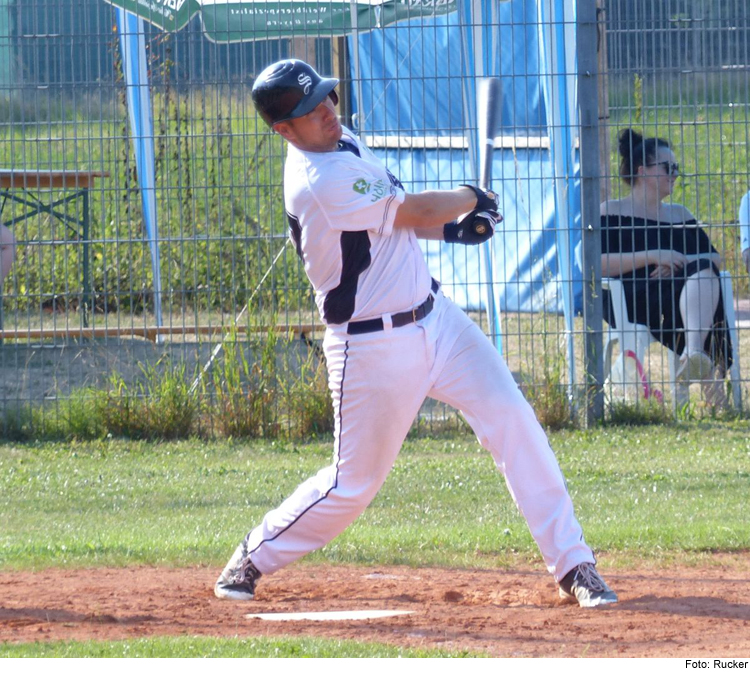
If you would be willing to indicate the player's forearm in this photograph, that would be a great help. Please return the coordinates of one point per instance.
(432, 233)
(430, 210)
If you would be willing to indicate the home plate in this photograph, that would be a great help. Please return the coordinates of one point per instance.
(328, 616)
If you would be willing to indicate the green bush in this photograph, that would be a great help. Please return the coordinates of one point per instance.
(548, 395)
(160, 407)
(245, 391)
(640, 413)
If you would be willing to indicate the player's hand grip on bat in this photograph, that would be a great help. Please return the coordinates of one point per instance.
(475, 228)
(486, 199)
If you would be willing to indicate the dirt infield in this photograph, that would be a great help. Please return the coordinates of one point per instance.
(675, 612)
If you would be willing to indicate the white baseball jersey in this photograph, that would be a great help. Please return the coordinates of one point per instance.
(745, 222)
(341, 209)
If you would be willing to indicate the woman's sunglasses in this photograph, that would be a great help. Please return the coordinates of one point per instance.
(670, 168)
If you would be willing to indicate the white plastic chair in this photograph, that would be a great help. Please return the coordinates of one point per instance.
(634, 337)
(637, 338)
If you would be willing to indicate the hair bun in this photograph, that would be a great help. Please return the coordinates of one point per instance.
(628, 140)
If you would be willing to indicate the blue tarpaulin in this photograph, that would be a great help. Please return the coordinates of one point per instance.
(411, 85)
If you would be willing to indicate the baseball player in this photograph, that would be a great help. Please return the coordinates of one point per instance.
(392, 338)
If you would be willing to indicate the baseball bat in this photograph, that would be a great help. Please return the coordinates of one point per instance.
(489, 111)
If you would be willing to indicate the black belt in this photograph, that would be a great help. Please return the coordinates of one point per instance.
(400, 319)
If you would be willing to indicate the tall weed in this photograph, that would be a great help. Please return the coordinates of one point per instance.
(308, 402)
(246, 391)
(546, 389)
(158, 407)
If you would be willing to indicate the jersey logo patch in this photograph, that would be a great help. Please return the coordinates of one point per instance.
(379, 190)
(361, 186)
(376, 190)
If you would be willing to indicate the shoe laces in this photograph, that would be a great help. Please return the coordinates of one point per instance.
(589, 577)
(245, 570)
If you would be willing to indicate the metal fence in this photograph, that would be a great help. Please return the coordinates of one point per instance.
(679, 71)
(78, 305)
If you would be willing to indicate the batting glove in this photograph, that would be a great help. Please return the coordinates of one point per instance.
(473, 229)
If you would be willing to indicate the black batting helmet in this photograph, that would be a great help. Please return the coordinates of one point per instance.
(290, 89)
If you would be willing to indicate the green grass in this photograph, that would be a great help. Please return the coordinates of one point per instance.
(199, 646)
(650, 492)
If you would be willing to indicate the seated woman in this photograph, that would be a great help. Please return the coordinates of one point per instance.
(668, 266)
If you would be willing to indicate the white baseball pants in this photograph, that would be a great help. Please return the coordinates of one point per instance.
(378, 383)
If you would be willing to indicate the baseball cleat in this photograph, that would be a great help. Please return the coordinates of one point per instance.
(585, 586)
(237, 581)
